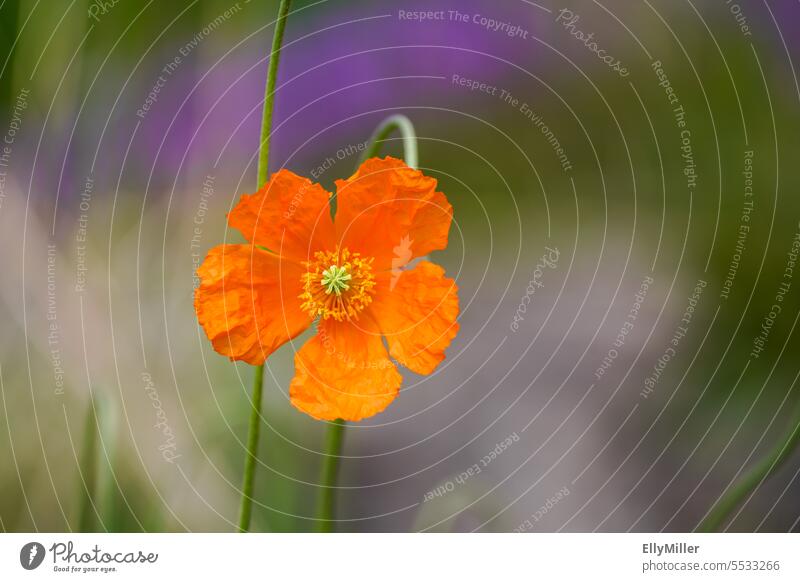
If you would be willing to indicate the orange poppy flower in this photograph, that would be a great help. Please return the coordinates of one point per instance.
(352, 276)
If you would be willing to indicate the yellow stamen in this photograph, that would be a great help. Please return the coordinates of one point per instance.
(337, 284)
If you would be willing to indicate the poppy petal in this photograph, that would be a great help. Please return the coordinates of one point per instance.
(289, 215)
(392, 212)
(417, 310)
(344, 372)
(248, 302)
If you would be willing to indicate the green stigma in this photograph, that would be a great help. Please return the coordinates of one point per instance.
(335, 279)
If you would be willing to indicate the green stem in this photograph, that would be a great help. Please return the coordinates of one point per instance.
(245, 509)
(252, 451)
(767, 467)
(335, 434)
(269, 92)
(330, 470)
(393, 123)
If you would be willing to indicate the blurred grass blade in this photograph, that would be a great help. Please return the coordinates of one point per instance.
(98, 507)
(760, 473)
(87, 472)
(107, 490)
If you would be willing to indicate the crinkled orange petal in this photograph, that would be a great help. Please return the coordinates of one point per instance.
(391, 212)
(289, 215)
(344, 372)
(248, 302)
(417, 310)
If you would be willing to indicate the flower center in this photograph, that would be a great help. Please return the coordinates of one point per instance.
(335, 279)
(337, 284)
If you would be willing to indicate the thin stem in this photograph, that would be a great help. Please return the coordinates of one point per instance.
(767, 467)
(393, 123)
(246, 506)
(269, 92)
(335, 434)
(330, 471)
(252, 451)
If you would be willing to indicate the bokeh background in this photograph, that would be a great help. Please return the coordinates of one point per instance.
(130, 129)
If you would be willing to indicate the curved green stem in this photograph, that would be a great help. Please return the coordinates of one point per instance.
(335, 434)
(330, 470)
(763, 470)
(246, 506)
(393, 123)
